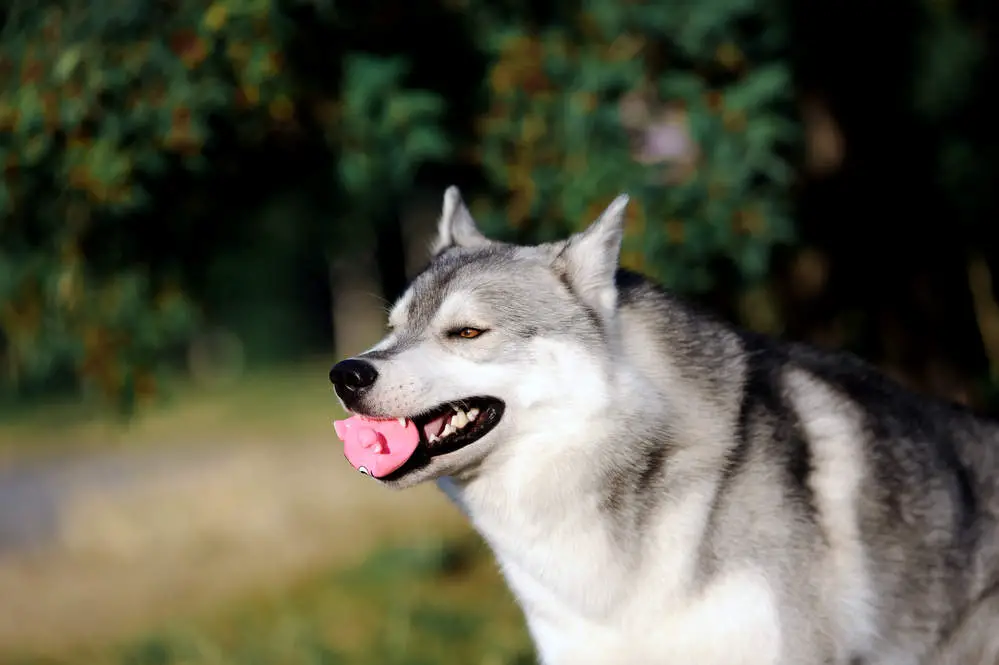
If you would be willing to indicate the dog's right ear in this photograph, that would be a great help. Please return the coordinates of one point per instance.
(588, 260)
(456, 227)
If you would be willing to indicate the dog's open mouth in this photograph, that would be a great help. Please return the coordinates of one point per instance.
(455, 425)
(390, 449)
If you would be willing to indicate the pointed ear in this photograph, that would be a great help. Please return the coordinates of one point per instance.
(588, 261)
(456, 227)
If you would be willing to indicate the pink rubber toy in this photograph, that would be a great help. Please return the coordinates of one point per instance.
(377, 447)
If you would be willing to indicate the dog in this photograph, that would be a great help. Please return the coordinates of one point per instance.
(660, 487)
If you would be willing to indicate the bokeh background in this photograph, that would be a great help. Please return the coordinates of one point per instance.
(205, 203)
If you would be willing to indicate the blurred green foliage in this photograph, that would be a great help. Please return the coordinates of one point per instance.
(103, 102)
(158, 157)
(678, 104)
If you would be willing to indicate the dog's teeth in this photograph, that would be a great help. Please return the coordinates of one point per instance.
(402, 422)
(432, 438)
(448, 430)
(472, 414)
(459, 420)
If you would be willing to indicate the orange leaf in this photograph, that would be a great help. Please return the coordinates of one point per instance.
(189, 47)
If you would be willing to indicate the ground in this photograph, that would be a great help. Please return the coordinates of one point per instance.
(225, 527)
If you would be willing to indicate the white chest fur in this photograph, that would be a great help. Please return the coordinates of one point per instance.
(732, 622)
(586, 602)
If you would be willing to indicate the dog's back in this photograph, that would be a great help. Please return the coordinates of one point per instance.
(928, 511)
(874, 508)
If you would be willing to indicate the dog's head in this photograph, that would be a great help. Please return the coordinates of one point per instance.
(491, 343)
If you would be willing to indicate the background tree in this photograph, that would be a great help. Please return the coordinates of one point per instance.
(176, 168)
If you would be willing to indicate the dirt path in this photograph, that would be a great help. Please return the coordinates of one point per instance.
(99, 545)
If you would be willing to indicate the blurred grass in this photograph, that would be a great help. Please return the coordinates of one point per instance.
(281, 403)
(440, 602)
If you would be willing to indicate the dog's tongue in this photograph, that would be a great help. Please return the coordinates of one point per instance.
(377, 447)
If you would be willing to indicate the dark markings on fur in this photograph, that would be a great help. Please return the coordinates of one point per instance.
(650, 487)
(591, 314)
(735, 460)
(764, 417)
(643, 494)
(922, 430)
(640, 496)
(949, 634)
(617, 487)
(796, 454)
(798, 463)
(449, 271)
(426, 301)
(925, 456)
(635, 490)
(967, 503)
(765, 381)
(432, 285)
(380, 354)
(558, 265)
(652, 471)
(628, 282)
(388, 352)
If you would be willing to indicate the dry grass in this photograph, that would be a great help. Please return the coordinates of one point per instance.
(236, 493)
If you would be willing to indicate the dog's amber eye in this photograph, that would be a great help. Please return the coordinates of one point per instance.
(467, 333)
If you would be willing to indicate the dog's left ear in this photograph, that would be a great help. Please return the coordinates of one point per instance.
(456, 227)
(588, 261)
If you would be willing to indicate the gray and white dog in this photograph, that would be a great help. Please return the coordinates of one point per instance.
(660, 487)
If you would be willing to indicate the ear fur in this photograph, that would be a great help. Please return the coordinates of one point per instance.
(589, 260)
(456, 227)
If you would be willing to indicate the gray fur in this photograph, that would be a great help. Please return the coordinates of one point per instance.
(666, 488)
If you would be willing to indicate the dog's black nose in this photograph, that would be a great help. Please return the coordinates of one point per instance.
(350, 377)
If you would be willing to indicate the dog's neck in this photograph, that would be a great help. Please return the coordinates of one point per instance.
(559, 522)
(567, 504)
